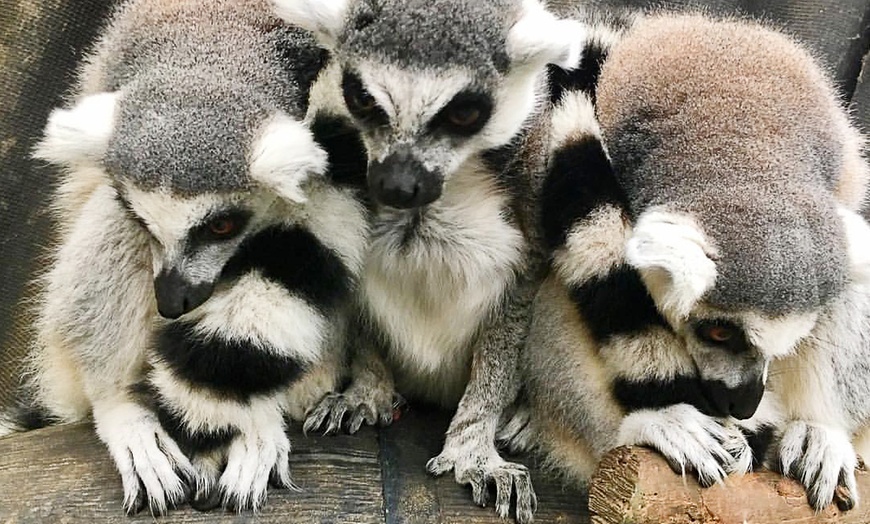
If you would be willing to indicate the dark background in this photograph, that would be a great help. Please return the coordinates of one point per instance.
(41, 41)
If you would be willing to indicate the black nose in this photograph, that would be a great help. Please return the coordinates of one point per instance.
(739, 402)
(176, 296)
(403, 182)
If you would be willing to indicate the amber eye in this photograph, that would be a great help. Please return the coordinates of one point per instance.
(361, 101)
(464, 116)
(222, 227)
(719, 334)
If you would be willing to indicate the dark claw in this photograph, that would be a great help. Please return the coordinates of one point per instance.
(139, 504)
(478, 489)
(206, 501)
(843, 499)
(674, 465)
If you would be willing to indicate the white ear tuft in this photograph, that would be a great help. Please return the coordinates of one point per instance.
(285, 155)
(540, 38)
(81, 133)
(324, 18)
(857, 244)
(674, 260)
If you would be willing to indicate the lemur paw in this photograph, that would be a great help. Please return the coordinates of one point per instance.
(357, 405)
(255, 460)
(154, 471)
(823, 460)
(480, 467)
(690, 441)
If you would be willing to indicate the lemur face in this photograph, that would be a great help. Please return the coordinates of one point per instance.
(731, 345)
(193, 239)
(420, 127)
(198, 192)
(732, 353)
(431, 83)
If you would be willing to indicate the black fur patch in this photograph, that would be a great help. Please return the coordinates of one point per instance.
(294, 258)
(348, 159)
(26, 414)
(616, 304)
(190, 443)
(634, 395)
(579, 180)
(760, 441)
(361, 103)
(584, 78)
(235, 368)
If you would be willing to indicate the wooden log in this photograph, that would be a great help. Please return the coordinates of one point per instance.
(636, 485)
(412, 496)
(65, 475)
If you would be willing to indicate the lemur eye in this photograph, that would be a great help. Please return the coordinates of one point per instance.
(722, 333)
(465, 115)
(222, 227)
(719, 334)
(360, 102)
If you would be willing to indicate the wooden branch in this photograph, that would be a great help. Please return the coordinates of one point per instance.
(636, 485)
(64, 474)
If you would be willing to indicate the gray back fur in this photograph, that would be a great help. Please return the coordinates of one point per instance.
(179, 125)
(740, 132)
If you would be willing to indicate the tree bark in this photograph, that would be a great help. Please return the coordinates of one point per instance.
(636, 485)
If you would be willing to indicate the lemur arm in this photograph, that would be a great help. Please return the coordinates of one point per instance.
(94, 330)
(470, 448)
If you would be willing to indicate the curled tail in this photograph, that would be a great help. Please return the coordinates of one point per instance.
(24, 413)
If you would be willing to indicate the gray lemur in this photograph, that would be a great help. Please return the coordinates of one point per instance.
(205, 260)
(445, 93)
(696, 257)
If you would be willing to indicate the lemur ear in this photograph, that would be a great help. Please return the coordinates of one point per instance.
(324, 18)
(857, 233)
(541, 38)
(285, 155)
(80, 133)
(674, 259)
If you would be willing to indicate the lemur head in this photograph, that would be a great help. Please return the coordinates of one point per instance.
(199, 176)
(432, 82)
(741, 287)
(730, 143)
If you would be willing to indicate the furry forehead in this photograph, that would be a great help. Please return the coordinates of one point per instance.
(209, 141)
(430, 33)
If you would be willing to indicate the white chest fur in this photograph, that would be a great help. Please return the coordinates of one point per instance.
(429, 293)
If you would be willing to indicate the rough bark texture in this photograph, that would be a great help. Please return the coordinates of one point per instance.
(635, 485)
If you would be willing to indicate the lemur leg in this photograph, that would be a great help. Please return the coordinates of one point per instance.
(98, 312)
(370, 397)
(318, 382)
(469, 449)
(690, 441)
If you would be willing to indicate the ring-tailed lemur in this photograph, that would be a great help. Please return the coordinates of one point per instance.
(444, 93)
(643, 334)
(205, 262)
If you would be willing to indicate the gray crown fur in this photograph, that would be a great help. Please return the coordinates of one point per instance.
(741, 139)
(181, 126)
(432, 33)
